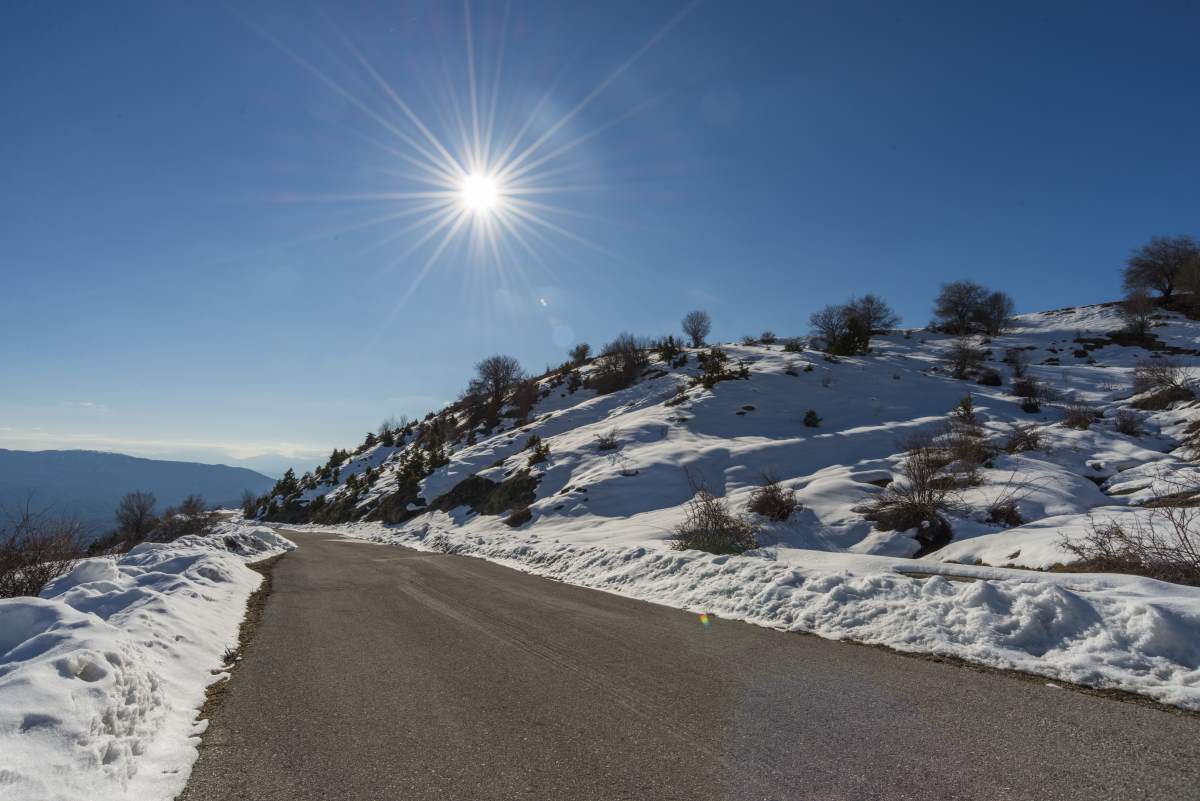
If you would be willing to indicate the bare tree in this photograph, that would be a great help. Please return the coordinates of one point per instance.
(581, 353)
(830, 322)
(1160, 263)
(135, 515)
(496, 376)
(876, 316)
(957, 305)
(994, 313)
(696, 326)
(35, 549)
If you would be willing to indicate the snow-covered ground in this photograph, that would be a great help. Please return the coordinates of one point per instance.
(102, 676)
(605, 518)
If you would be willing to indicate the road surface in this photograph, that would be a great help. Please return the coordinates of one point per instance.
(380, 673)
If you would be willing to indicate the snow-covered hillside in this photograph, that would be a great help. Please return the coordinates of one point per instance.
(671, 433)
(101, 677)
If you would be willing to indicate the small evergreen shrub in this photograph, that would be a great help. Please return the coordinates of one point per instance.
(812, 419)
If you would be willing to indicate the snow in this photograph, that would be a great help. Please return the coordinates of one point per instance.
(604, 519)
(102, 676)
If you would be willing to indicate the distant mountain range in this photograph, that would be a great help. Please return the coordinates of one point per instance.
(89, 484)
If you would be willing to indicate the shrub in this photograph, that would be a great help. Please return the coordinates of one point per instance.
(962, 358)
(1023, 439)
(1031, 392)
(713, 368)
(1165, 545)
(35, 549)
(749, 340)
(989, 378)
(767, 338)
(249, 504)
(919, 498)
(1019, 359)
(580, 353)
(1128, 423)
(873, 313)
(607, 441)
(668, 349)
(842, 332)
(540, 453)
(791, 368)
(619, 364)
(793, 345)
(1080, 415)
(696, 326)
(710, 526)
(812, 419)
(1161, 374)
(772, 501)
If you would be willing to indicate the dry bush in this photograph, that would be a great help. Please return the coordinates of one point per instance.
(767, 337)
(1165, 546)
(1031, 392)
(1128, 423)
(989, 378)
(1158, 374)
(619, 364)
(1018, 358)
(607, 441)
(962, 358)
(772, 501)
(1023, 439)
(35, 549)
(710, 526)
(920, 497)
(1080, 415)
(793, 345)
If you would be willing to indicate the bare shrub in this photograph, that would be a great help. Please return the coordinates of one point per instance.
(767, 337)
(192, 517)
(963, 358)
(919, 498)
(793, 345)
(1031, 392)
(874, 313)
(1165, 545)
(1080, 415)
(249, 504)
(1023, 439)
(1018, 358)
(772, 501)
(607, 441)
(35, 549)
(1138, 313)
(710, 526)
(619, 364)
(1163, 374)
(1127, 422)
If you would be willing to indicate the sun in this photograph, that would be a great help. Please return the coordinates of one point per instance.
(479, 193)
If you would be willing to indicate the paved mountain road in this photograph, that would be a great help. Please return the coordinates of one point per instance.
(380, 673)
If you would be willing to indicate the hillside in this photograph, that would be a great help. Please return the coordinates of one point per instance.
(89, 484)
(606, 517)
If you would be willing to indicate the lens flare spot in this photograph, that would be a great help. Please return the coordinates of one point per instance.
(704, 620)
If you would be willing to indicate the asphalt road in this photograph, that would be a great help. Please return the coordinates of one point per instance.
(381, 673)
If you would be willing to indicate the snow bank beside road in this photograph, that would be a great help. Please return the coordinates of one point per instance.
(1100, 630)
(101, 677)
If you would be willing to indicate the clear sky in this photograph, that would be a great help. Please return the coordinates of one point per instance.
(219, 224)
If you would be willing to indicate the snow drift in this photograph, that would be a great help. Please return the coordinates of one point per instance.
(101, 677)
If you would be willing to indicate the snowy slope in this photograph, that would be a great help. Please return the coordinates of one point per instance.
(102, 676)
(622, 504)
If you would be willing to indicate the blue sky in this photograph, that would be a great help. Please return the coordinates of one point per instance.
(189, 269)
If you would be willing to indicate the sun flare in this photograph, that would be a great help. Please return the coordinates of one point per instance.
(479, 193)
